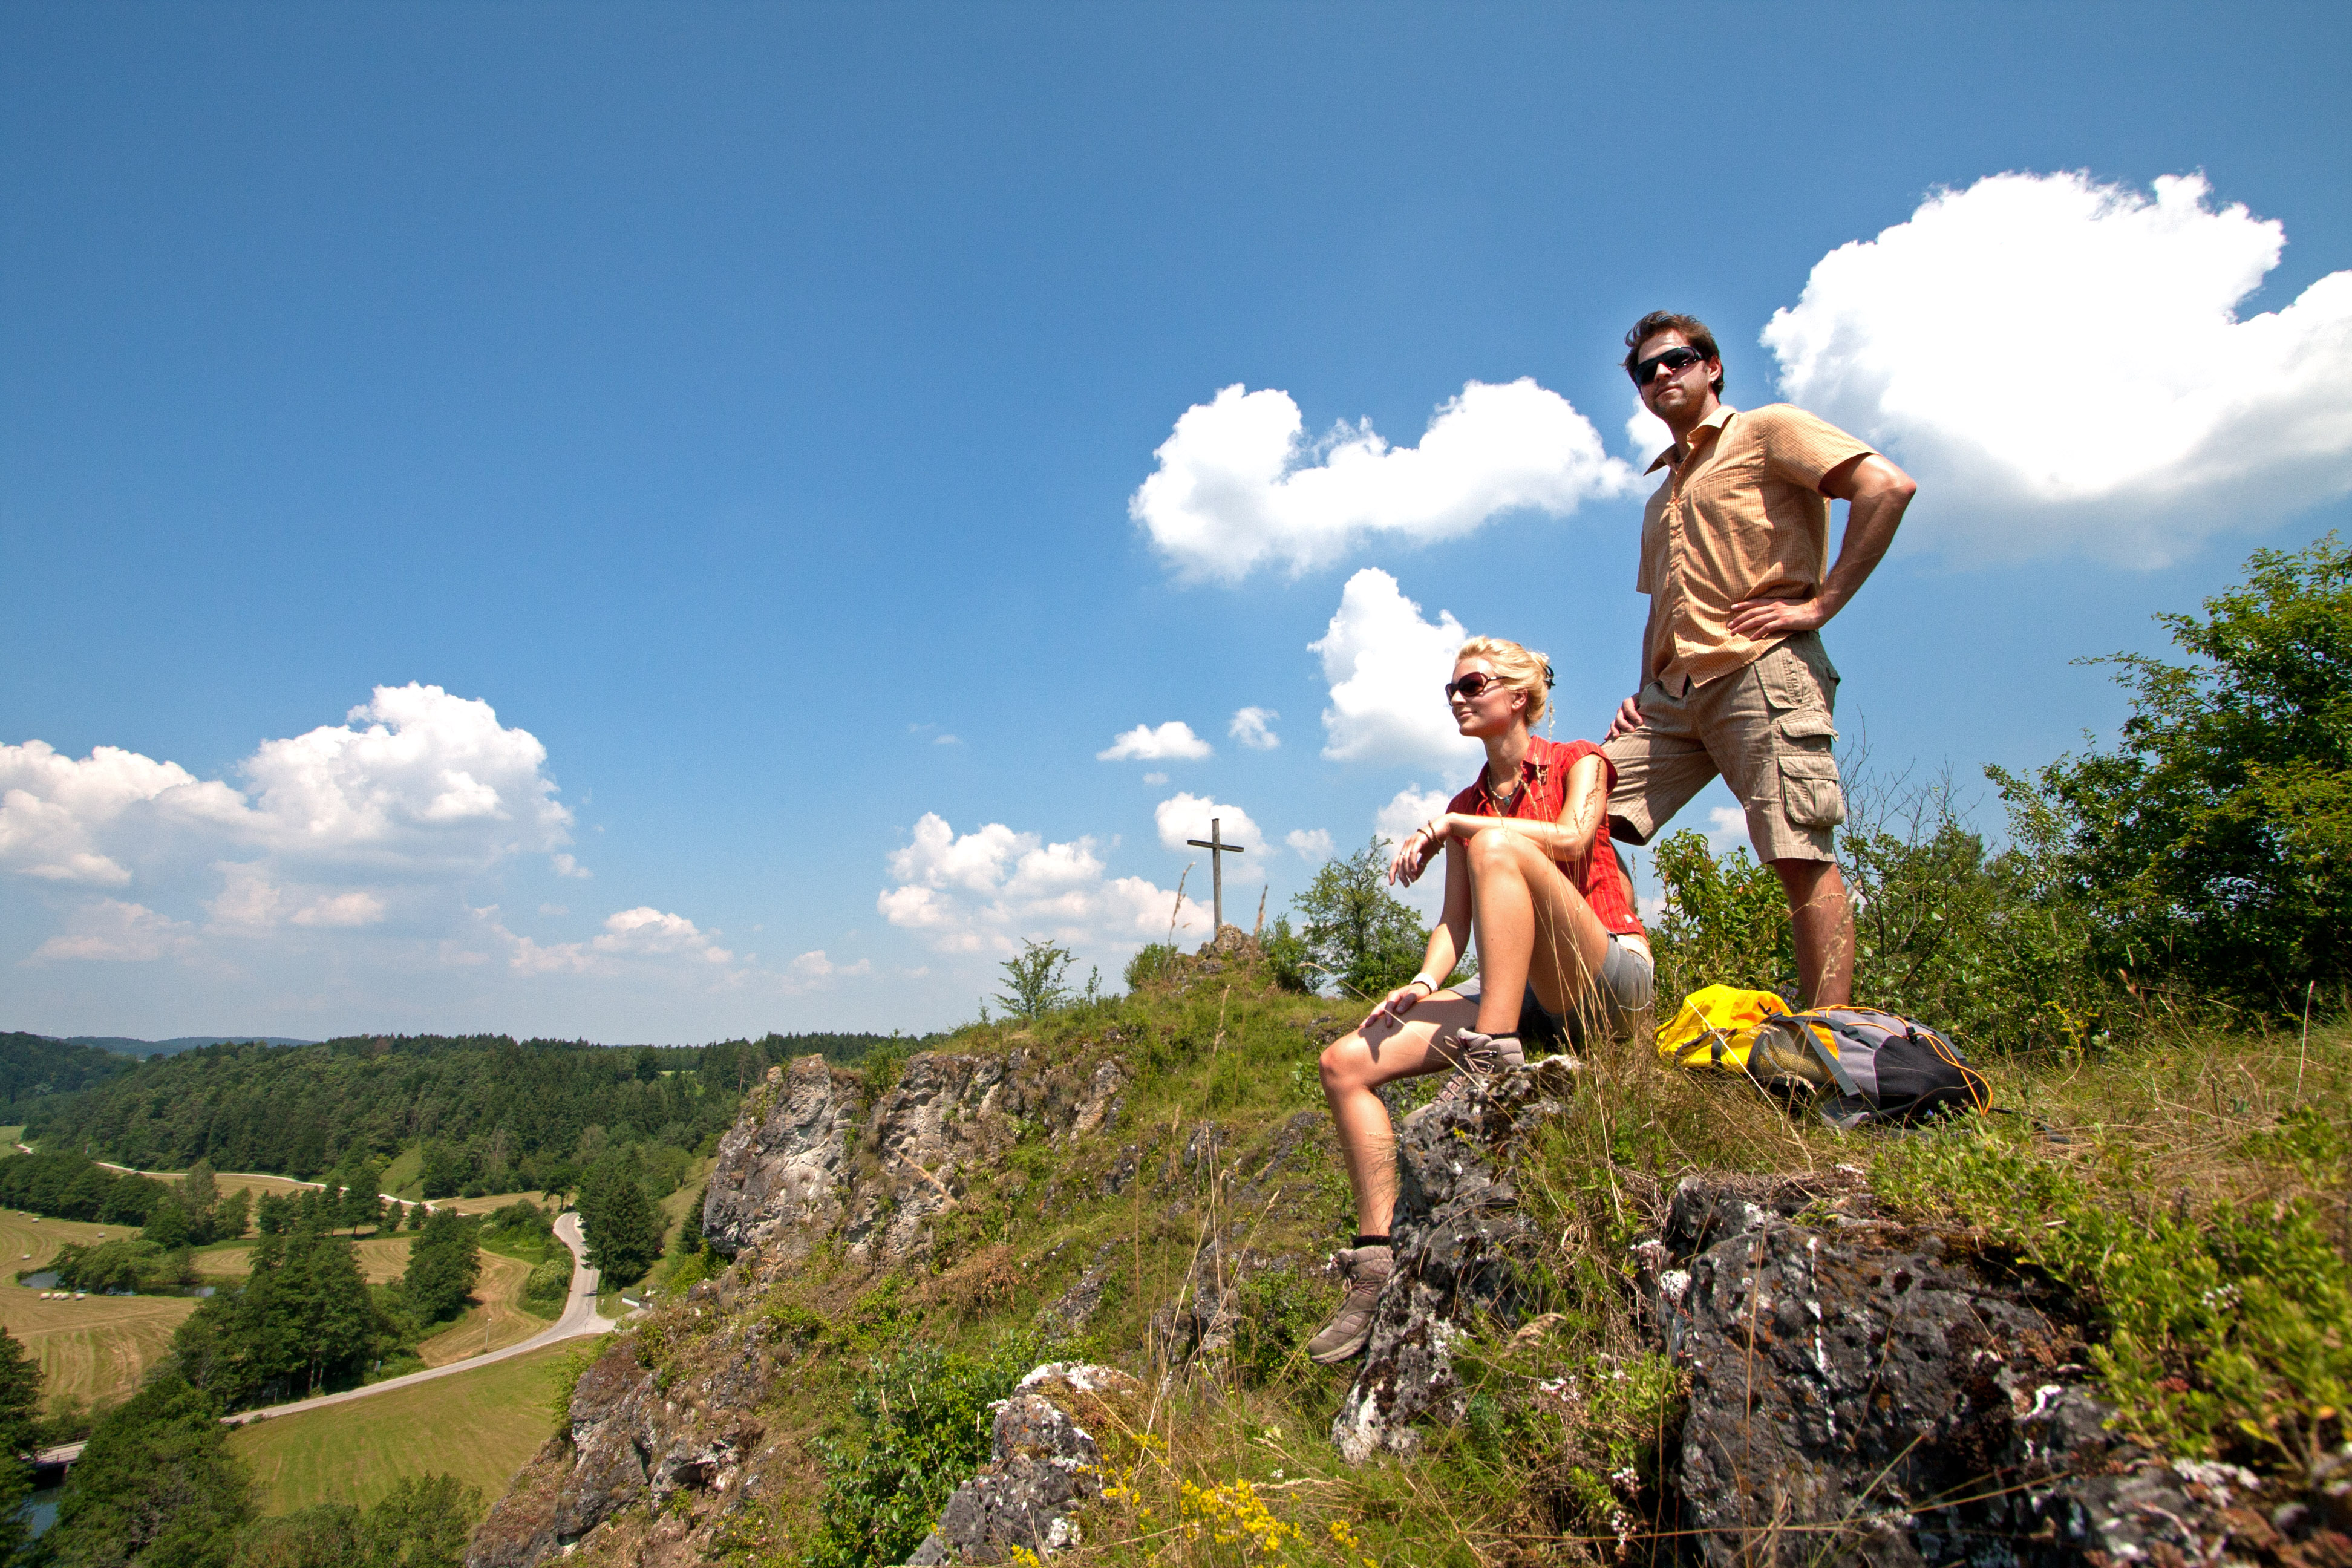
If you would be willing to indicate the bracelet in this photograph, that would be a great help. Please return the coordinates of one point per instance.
(1423, 980)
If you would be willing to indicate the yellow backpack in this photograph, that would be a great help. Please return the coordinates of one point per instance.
(1716, 1027)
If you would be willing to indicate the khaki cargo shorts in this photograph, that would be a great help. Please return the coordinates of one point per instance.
(1766, 728)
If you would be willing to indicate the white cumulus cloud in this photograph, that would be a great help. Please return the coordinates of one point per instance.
(1309, 843)
(114, 931)
(1240, 485)
(1646, 436)
(987, 890)
(1411, 806)
(1387, 668)
(1145, 745)
(1408, 809)
(1183, 818)
(55, 811)
(644, 932)
(432, 786)
(2061, 363)
(1253, 727)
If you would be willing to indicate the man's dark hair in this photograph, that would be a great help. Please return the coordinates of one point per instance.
(1693, 329)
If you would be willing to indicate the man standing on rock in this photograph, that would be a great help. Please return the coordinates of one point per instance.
(1734, 677)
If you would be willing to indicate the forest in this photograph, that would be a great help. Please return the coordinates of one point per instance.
(33, 1067)
(491, 1114)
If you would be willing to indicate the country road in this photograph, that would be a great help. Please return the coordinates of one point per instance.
(579, 1320)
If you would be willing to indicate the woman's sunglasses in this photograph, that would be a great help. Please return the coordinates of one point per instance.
(1674, 361)
(1471, 687)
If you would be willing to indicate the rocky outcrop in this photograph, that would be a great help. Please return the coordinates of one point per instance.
(667, 1418)
(1043, 1465)
(811, 1157)
(782, 1165)
(1862, 1392)
(1462, 1248)
(630, 1440)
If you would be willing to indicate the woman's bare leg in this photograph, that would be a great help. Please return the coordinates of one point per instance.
(1533, 926)
(1354, 1068)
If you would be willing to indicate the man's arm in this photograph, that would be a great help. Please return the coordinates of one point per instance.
(1876, 492)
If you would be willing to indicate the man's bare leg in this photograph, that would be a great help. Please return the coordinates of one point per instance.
(1822, 917)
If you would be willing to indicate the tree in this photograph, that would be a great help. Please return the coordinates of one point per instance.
(2213, 846)
(423, 1522)
(624, 1229)
(304, 1319)
(167, 1223)
(156, 1485)
(230, 1218)
(20, 1411)
(443, 1264)
(1033, 979)
(1356, 935)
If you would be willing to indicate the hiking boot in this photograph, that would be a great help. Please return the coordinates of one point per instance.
(1477, 1057)
(1366, 1270)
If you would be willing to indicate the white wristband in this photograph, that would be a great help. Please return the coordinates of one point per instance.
(1423, 980)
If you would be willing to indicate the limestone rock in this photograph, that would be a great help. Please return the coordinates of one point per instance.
(809, 1158)
(1459, 1244)
(781, 1167)
(1865, 1393)
(1041, 1466)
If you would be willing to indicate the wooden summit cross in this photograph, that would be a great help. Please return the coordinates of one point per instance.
(1218, 850)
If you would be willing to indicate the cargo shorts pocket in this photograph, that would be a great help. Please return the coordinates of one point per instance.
(1790, 680)
(1809, 789)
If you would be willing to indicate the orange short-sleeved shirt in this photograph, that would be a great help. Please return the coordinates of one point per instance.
(1740, 516)
(1542, 796)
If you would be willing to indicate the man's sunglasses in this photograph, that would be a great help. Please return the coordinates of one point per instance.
(1674, 361)
(1471, 687)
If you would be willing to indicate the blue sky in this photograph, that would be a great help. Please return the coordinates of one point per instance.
(749, 406)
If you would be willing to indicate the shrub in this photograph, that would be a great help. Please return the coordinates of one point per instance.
(2210, 846)
(1357, 936)
(924, 1426)
(1032, 980)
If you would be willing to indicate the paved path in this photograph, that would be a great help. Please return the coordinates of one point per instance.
(579, 1320)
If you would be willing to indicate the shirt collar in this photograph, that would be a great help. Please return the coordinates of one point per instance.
(1715, 421)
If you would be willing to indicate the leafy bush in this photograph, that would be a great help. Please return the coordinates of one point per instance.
(1983, 946)
(1357, 936)
(2213, 846)
(1154, 963)
(1032, 980)
(924, 1428)
(550, 1281)
(423, 1522)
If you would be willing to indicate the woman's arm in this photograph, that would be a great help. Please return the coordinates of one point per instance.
(1566, 838)
(1447, 940)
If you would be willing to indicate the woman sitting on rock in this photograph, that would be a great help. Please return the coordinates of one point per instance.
(1528, 864)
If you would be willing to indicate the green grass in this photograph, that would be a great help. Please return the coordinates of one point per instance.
(479, 1425)
(403, 1176)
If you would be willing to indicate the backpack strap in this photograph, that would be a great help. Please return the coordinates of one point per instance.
(1800, 1022)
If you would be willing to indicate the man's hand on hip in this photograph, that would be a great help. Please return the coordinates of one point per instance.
(1629, 719)
(1762, 618)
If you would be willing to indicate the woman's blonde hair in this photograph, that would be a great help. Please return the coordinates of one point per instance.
(1518, 667)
